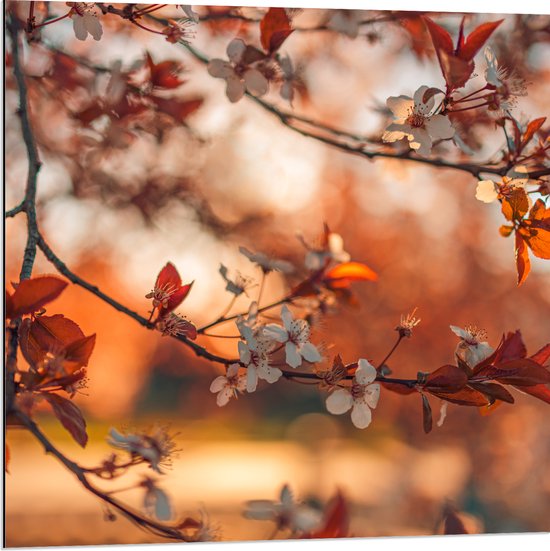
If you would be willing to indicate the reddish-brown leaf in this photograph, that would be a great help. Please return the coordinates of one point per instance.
(523, 264)
(476, 39)
(275, 28)
(178, 110)
(493, 392)
(33, 294)
(465, 397)
(176, 299)
(515, 205)
(537, 236)
(168, 277)
(512, 348)
(447, 378)
(532, 128)
(80, 350)
(542, 355)
(399, 389)
(47, 333)
(506, 231)
(427, 420)
(70, 417)
(456, 71)
(336, 520)
(542, 392)
(520, 372)
(164, 74)
(441, 38)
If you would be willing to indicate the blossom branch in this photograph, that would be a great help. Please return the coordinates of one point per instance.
(29, 202)
(71, 276)
(149, 525)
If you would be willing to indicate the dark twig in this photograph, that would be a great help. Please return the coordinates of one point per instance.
(15, 210)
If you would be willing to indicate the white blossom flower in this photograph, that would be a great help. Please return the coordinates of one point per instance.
(442, 413)
(266, 263)
(472, 347)
(236, 286)
(228, 385)
(508, 84)
(286, 513)
(360, 398)
(488, 191)
(292, 79)
(155, 448)
(239, 76)
(188, 10)
(415, 120)
(255, 358)
(85, 20)
(295, 335)
(347, 22)
(156, 502)
(333, 252)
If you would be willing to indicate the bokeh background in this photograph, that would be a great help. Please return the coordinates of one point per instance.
(232, 176)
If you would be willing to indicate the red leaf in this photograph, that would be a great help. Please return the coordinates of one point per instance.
(522, 372)
(493, 392)
(47, 333)
(465, 397)
(542, 356)
(512, 348)
(448, 378)
(533, 127)
(80, 351)
(452, 524)
(427, 420)
(168, 277)
(164, 75)
(33, 294)
(274, 29)
(336, 520)
(399, 389)
(542, 392)
(70, 417)
(178, 110)
(476, 39)
(523, 264)
(176, 299)
(440, 37)
(515, 205)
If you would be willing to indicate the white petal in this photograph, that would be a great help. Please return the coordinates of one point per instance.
(442, 413)
(260, 509)
(287, 317)
(440, 128)
(117, 437)
(401, 106)
(339, 401)
(223, 396)
(276, 332)
(305, 519)
(235, 50)
(372, 395)
(255, 82)
(486, 191)
(419, 104)
(269, 374)
(310, 353)
(163, 510)
(459, 332)
(218, 384)
(232, 370)
(420, 140)
(220, 69)
(365, 373)
(361, 415)
(395, 132)
(235, 88)
(79, 27)
(93, 26)
(293, 358)
(251, 379)
(335, 243)
(244, 353)
(314, 260)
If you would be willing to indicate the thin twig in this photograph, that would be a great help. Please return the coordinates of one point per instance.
(15, 210)
(151, 526)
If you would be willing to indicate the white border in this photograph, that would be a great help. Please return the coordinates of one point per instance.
(503, 542)
(474, 6)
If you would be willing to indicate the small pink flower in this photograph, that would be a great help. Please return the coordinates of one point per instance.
(239, 75)
(361, 397)
(415, 120)
(227, 386)
(472, 347)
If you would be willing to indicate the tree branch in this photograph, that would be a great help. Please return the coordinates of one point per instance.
(151, 526)
(29, 202)
(71, 276)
